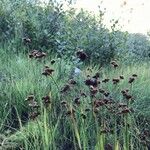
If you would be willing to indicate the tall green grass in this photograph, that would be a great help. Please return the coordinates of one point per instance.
(21, 76)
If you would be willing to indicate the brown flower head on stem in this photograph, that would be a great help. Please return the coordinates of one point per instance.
(131, 80)
(97, 75)
(34, 115)
(105, 80)
(47, 71)
(63, 102)
(114, 64)
(26, 40)
(34, 104)
(30, 98)
(124, 111)
(115, 80)
(102, 91)
(83, 116)
(91, 82)
(135, 75)
(53, 61)
(83, 94)
(73, 82)
(108, 147)
(81, 55)
(46, 100)
(40, 55)
(106, 94)
(65, 88)
(77, 100)
(93, 90)
(121, 77)
(70, 112)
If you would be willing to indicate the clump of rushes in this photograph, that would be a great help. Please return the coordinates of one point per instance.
(46, 100)
(114, 64)
(47, 71)
(36, 54)
(115, 80)
(81, 55)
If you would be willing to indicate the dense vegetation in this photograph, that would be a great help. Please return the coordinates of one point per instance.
(67, 82)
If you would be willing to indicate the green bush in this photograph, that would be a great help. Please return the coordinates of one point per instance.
(59, 31)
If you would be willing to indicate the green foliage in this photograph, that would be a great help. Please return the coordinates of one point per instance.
(57, 30)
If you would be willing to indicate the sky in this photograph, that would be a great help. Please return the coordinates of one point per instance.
(134, 15)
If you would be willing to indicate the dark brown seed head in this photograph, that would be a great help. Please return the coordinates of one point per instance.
(87, 109)
(127, 96)
(97, 75)
(53, 61)
(108, 147)
(73, 82)
(120, 105)
(83, 116)
(115, 80)
(83, 94)
(114, 64)
(96, 110)
(81, 55)
(77, 101)
(70, 112)
(34, 104)
(134, 75)
(65, 88)
(30, 98)
(131, 80)
(102, 91)
(106, 94)
(46, 100)
(93, 90)
(47, 71)
(26, 40)
(105, 80)
(92, 82)
(124, 111)
(121, 77)
(34, 115)
(63, 102)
